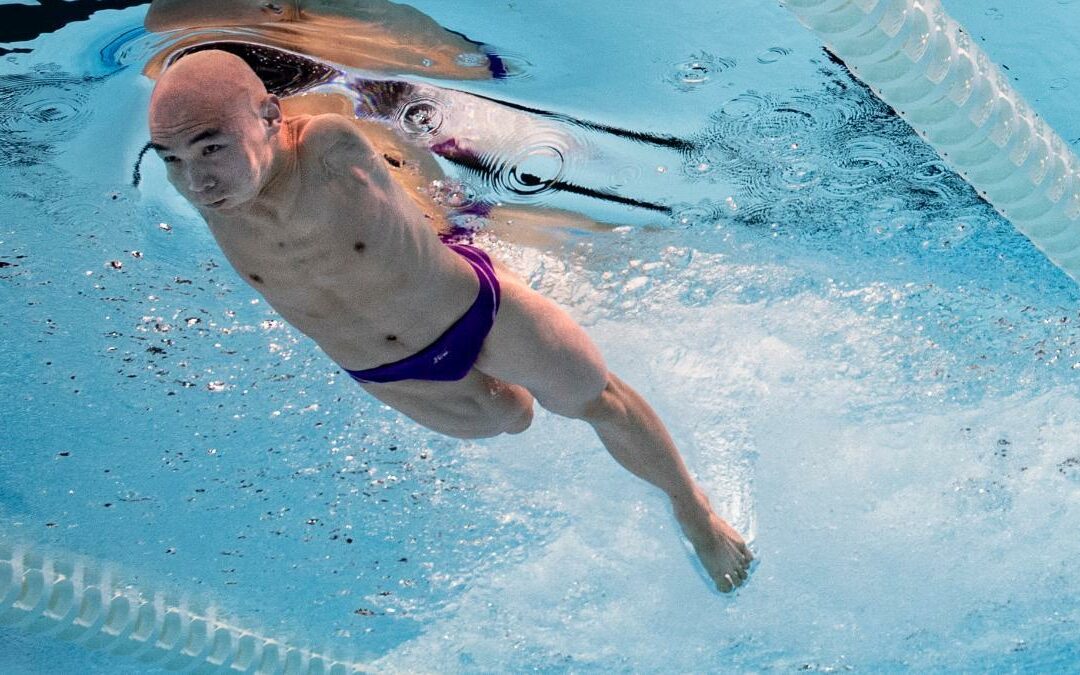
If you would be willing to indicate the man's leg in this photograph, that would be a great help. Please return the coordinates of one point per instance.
(478, 406)
(536, 344)
(634, 435)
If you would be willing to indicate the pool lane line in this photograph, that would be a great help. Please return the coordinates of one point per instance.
(643, 137)
(472, 162)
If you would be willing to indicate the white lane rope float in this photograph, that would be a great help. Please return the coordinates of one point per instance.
(922, 63)
(74, 599)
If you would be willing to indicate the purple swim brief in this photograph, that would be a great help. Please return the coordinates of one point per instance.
(454, 352)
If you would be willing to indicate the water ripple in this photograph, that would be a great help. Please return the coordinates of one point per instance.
(38, 110)
(524, 169)
(772, 54)
(814, 160)
(134, 46)
(698, 69)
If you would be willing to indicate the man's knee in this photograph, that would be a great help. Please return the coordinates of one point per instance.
(589, 397)
(487, 423)
(516, 424)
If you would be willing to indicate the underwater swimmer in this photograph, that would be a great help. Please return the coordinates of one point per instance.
(307, 213)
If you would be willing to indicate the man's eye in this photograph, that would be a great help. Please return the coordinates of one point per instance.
(169, 160)
(211, 149)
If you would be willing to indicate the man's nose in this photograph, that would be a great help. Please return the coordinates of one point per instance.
(200, 181)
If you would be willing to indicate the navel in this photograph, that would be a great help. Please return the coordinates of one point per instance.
(391, 338)
(256, 278)
(359, 246)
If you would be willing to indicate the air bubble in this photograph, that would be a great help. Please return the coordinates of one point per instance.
(456, 195)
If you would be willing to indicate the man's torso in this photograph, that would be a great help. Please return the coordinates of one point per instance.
(353, 264)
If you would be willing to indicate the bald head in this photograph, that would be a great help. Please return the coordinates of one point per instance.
(216, 128)
(207, 84)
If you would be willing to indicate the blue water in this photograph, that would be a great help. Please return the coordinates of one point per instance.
(871, 372)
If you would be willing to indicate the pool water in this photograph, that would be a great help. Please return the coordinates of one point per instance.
(873, 374)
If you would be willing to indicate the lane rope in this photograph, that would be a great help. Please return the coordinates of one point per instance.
(922, 63)
(77, 600)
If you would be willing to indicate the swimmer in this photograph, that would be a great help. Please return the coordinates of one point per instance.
(307, 213)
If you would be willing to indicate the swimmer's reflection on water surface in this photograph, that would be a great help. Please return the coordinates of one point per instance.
(304, 51)
(373, 35)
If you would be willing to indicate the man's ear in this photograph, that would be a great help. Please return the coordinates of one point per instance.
(270, 112)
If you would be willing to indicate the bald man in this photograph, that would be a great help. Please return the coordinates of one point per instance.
(308, 215)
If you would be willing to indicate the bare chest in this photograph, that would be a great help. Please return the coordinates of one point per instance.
(312, 262)
(357, 277)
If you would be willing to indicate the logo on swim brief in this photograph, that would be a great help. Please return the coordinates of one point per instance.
(442, 356)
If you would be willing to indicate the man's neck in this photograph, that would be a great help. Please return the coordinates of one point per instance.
(279, 191)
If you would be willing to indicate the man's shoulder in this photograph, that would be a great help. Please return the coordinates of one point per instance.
(333, 139)
(322, 132)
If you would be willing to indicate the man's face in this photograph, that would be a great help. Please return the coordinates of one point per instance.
(215, 162)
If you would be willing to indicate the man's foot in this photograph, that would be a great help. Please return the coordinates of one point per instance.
(719, 547)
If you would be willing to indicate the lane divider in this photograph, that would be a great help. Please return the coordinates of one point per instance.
(74, 599)
(920, 61)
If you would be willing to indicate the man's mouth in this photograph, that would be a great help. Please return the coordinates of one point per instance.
(218, 203)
